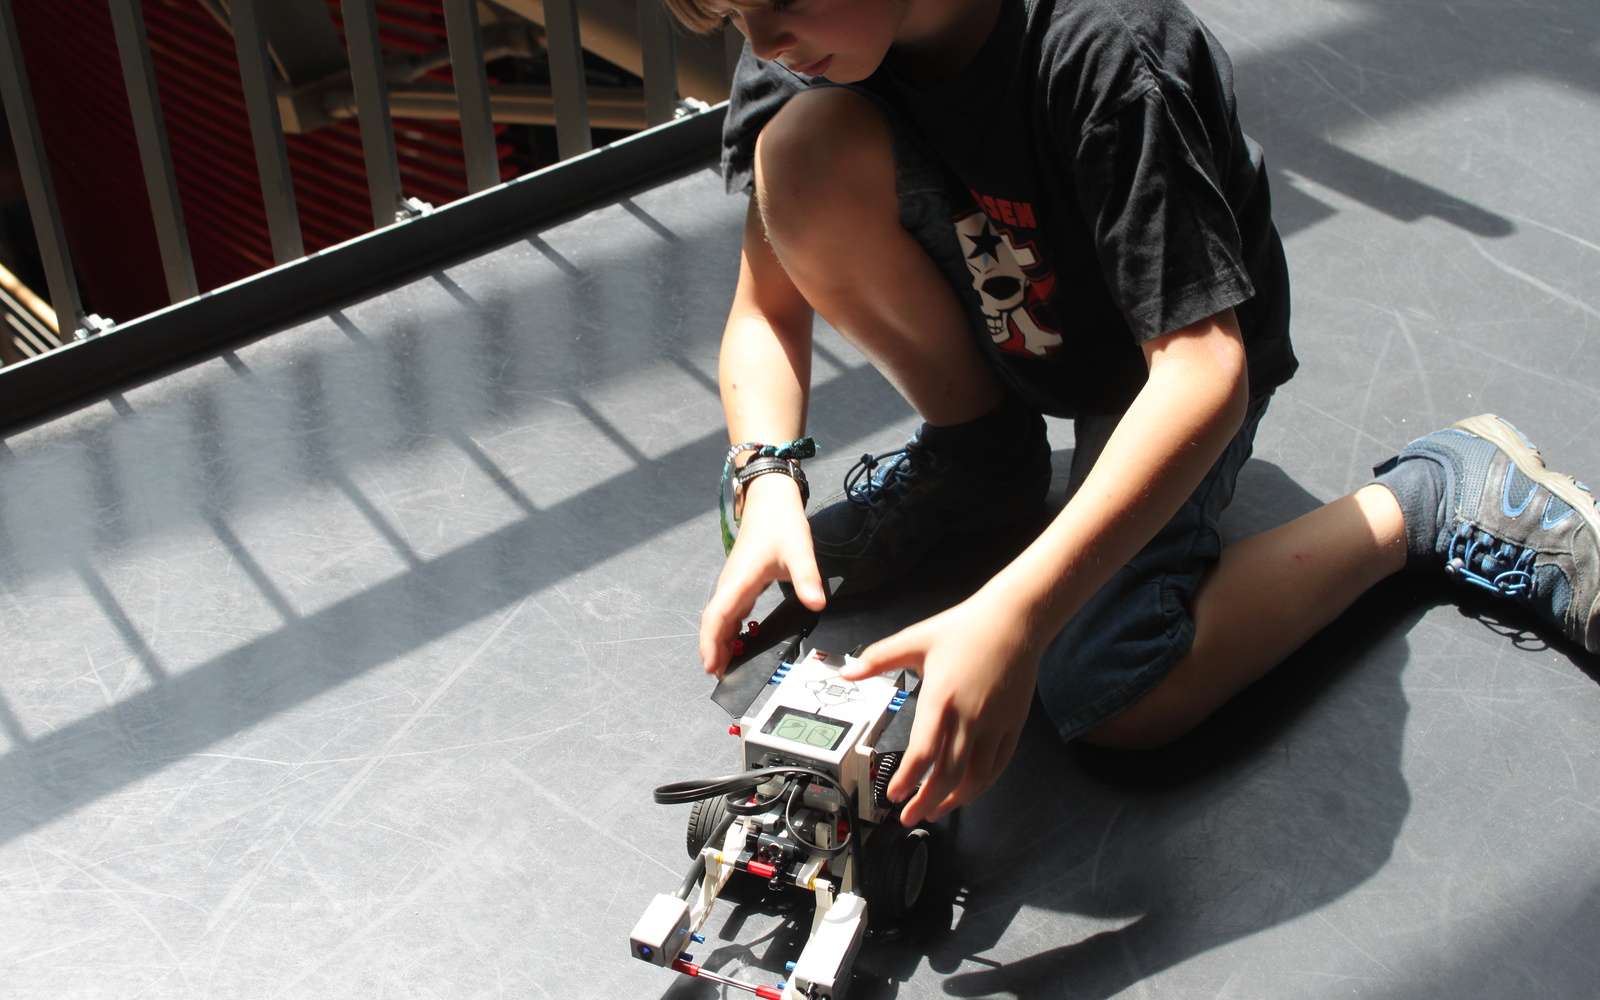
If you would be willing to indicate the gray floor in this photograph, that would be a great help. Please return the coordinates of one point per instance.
(342, 665)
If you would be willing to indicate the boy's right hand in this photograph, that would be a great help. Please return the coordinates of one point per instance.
(773, 544)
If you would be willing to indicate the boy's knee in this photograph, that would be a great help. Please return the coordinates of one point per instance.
(1151, 723)
(1131, 732)
(828, 147)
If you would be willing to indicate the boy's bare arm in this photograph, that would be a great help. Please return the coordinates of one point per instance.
(765, 377)
(978, 660)
(765, 367)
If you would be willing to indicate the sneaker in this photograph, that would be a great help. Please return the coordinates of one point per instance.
(1512, 527)
(897, 505)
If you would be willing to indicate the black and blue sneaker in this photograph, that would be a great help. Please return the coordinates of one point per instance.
(897, 505)
(1508, 525)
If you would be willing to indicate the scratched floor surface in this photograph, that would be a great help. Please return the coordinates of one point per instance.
(342, 665)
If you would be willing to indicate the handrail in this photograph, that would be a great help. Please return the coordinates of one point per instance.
(80, 370)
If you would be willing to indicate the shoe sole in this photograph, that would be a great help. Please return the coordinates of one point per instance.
(1500, 433)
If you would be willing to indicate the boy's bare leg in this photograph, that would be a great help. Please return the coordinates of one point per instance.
(825, 183)
(1265, 597)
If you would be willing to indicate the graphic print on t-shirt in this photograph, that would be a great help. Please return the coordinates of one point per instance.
(1011, 283)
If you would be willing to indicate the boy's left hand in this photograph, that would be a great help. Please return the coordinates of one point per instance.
(978, 671)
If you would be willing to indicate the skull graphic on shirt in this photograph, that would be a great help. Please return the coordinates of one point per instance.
(1005, 290)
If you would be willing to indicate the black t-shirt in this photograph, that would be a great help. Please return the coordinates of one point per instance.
(1107, 194)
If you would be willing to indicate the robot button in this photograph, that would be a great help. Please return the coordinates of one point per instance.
(733, 730)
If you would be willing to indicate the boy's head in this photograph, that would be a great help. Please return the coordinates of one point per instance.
(842, 40)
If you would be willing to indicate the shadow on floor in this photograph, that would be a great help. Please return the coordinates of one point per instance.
(1285, 800)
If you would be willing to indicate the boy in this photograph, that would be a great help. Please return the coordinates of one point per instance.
(1015, 207)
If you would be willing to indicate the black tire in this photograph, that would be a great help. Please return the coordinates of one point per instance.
(894, 868)
(704, 819)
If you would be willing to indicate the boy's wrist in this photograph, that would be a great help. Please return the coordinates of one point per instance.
(770, 489)
(766, 465)
(762, 459)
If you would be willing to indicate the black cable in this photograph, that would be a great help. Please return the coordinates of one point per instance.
(812, 846)
(697, 871)
(681, 792)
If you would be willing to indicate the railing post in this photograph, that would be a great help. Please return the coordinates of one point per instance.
(472, 94)
(127, 19)
(266, 131)
(372, 108)
(658, 53)
(36, 182)
(567, 81)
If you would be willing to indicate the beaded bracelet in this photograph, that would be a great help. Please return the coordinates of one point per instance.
(790, 454)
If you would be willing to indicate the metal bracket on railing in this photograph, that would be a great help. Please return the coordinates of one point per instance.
(689, 106)
(92, 325)
(412, 208)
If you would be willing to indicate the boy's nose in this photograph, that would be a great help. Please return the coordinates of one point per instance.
(767, 40)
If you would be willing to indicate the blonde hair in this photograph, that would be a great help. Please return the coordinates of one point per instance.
(706, 16)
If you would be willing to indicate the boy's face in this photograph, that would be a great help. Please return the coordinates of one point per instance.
(843, 40)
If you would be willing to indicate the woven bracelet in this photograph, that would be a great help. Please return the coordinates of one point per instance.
(790, 453)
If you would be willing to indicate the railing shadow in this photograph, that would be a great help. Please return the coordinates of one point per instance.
(332, 412)
(1394, 60)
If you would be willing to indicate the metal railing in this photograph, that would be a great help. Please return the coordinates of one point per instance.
(566, 103)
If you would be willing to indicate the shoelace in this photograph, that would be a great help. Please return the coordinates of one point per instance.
(866, 485)
(1472, 557)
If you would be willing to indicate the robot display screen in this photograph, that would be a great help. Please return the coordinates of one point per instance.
(817, 731)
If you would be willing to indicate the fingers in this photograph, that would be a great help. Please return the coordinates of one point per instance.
(984, 766)
(914, 764)
(775, 544)
(743, 579)
(801, 562)
(723, 616)
(949, 771)
(905, 648)
(961, 774)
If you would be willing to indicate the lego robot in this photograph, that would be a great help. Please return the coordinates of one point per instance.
(809, 809)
